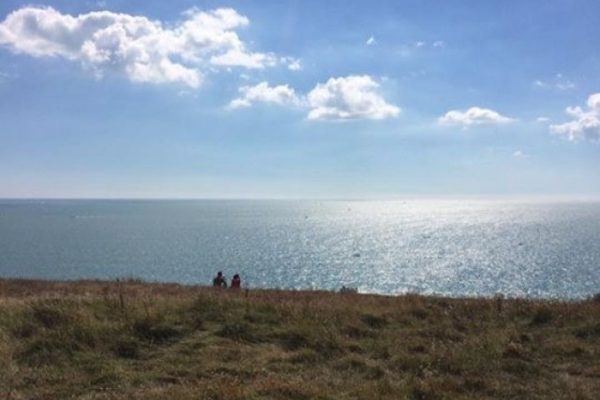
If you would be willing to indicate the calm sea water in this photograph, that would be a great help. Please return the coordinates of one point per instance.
(452, 248)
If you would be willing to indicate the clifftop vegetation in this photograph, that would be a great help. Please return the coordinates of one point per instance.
(130, 339)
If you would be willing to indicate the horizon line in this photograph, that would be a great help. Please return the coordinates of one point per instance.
(514, 197)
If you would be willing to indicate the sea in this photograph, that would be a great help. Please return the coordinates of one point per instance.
(451, 247)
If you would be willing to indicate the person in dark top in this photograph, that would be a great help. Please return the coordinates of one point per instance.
(219, 280)
(236, 282)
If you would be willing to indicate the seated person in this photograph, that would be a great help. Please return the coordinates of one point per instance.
(236, 282)
(219, 280)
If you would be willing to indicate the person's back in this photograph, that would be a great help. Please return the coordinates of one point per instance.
(236, 282)
(219, 280)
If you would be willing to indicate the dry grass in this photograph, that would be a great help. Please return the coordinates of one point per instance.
(112, 340)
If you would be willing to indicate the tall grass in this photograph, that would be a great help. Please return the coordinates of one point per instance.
(129, 339)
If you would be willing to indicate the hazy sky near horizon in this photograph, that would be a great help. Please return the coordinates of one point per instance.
(379, 99)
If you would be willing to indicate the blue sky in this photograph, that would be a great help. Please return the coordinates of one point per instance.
(299, 99)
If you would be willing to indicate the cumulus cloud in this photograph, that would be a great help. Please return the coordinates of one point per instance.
(351, 97)
(344, 98)
(144, 50)
(371, 41)
(473, 116)
(263, 93)
(585, 124)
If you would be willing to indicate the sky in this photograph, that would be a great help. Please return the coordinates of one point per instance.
(299, 99)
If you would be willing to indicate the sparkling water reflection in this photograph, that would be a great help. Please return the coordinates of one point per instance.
(446, 247)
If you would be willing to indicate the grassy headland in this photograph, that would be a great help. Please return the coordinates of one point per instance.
(113, 340)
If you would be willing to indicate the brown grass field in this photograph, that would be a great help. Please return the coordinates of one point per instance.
(136, 340)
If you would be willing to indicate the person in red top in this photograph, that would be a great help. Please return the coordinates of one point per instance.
(236, 282)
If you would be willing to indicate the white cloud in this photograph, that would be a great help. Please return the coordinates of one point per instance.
(473, 116)
(241, 58)
(559, 82)
(351, 97)
(542, 119)
(263, 93)
(585, 124)
(518, 154)
(371, 41)
(295, 66)
(142, 49)
(439, 43)
(292, 63)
